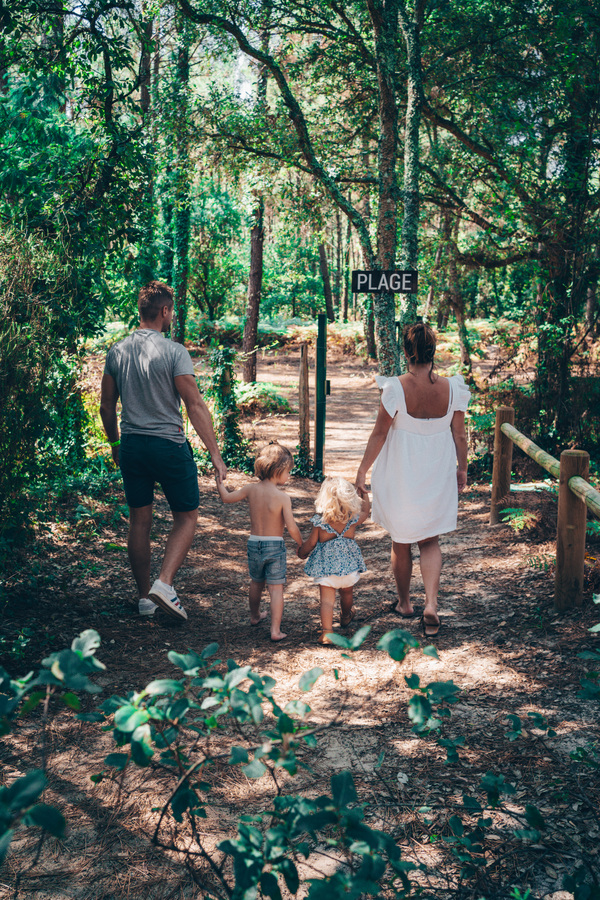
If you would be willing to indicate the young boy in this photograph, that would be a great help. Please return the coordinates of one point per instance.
(270, 513)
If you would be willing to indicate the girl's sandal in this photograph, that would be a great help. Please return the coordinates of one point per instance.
(345, 620)
(324, 640)
(430, 629)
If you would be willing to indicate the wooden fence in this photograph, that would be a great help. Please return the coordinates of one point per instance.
(575, 495)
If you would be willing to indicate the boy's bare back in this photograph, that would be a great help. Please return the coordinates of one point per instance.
(270, 508)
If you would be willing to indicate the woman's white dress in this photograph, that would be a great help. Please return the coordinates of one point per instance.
(415, 494)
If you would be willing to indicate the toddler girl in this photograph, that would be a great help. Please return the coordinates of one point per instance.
(270, 512)
(335, 560)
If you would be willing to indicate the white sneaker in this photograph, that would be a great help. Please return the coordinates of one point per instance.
(146, 607)
(169, 602)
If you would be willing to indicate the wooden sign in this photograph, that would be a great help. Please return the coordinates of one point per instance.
(403, 281)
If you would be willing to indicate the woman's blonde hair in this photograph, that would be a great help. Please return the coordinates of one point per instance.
(272, 459)
(337, 501)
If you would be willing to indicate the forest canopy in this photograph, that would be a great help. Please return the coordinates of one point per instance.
(252, 154)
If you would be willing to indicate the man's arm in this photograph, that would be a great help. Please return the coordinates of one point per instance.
(108, 412)
(199, 416)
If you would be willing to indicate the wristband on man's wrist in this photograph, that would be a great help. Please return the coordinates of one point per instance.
(115, 443)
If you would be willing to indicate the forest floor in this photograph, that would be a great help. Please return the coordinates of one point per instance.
(501, 642)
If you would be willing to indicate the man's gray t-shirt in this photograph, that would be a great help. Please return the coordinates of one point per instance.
(143, 366)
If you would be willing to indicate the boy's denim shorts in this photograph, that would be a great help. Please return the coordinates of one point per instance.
(267, 561)
(147, 459)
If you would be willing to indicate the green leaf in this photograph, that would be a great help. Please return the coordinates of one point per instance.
(24, 790)
(117, 760)
(32, 701)
(254, 769)
(163, 686)
(209, 651)
(189, 662)
(358, 639)
(71, 700)
(594, 628)
(431, 651)
(342, 789)
(236, 676)
(471, 803)
(238, 755)
(456, 825)
(285, 725)
(397, 643)
(419, 710)
(47, 817)
(307, 679)
(269, 886)
(5, 840)
(129, 717)
(534, 817)
(87, 643)
(525, 834)
(297, 708)
(290, 874)
(412, 681)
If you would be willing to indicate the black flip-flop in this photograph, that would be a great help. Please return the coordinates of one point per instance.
(397, 612)
(425, 625)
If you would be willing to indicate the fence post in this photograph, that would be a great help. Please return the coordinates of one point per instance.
(304, 405)
(570, 532)
(320, 391)
(502, 462)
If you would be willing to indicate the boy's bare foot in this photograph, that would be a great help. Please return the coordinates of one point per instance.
(278, 635)
(346, 618)
(406, 612)
(325, 640)
(262, 615)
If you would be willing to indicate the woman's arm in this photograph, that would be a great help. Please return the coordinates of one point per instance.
(365, 511)
(309, 544)
(460, 442)
(374, 445)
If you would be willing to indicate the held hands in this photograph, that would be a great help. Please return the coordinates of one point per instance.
(461, 479)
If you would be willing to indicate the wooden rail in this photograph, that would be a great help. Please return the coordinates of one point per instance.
(575, 496)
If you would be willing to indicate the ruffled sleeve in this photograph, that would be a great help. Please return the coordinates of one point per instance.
(460, 394)
(389, 393)
(316, 520)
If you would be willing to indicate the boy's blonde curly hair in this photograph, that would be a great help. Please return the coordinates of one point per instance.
(337, 501)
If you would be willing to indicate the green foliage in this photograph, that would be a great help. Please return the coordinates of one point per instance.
(234, 447)
(260, 398)
(519, 519)
(61, 675)
(41, 415)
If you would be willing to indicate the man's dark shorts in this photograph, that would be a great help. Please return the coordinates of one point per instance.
(146, 459)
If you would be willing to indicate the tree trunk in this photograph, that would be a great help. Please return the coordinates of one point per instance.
(410, 221)
(338, 262)
(250, 339)
(384, 19)
(146, 262)
(324, 268)
(182, 217)
(257, 237)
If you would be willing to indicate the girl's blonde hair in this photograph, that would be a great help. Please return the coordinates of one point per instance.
(337, 501)
(272, 459)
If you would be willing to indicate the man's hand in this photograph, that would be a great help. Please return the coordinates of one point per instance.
(115, 455)
(220, 468)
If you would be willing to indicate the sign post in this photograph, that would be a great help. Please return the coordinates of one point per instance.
(378, 281)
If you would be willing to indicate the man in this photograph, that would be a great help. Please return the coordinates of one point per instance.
(152, 375)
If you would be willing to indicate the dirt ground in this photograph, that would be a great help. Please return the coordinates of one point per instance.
(501, 642)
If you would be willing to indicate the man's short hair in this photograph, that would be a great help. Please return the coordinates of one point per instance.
(151, 299)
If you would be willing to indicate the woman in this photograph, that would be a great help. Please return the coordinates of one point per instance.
(418, 440)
